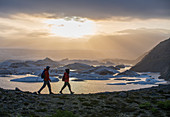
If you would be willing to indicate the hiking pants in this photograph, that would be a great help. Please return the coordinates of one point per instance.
(46, 83)
(66, 84)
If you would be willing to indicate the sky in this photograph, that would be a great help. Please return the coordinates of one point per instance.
(116, 28)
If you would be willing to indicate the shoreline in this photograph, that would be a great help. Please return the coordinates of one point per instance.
(141, 102)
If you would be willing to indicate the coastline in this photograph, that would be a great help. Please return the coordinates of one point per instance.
(141, 102)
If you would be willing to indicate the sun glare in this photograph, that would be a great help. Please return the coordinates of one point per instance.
(71, 27)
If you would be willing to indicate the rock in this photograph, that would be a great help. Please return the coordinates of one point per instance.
(123, 94)
(18, 65)
(128, 73)
(151, 80)
(132, 79)
(5, 72)
(77, 80)
(102, 70)
(7, 63)
(47, 62)
(78, 66)
(53, 72)
(166, 74)
(4, 75)
(17, 89)
(121, 66)
(114, 68)
(34, 93)
(102, 104)
(120, 79)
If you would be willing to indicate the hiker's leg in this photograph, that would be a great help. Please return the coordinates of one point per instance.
(69, 86)
(49, 86)
(63, 86)
(45, 83)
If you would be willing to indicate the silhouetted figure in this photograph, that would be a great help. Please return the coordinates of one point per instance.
(47, 80)
(66, 81)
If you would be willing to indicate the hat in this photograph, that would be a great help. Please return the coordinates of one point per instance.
(47, 67)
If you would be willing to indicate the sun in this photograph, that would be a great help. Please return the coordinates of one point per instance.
(71, 27)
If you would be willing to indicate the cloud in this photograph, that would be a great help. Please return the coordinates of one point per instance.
(95, 9)
(129, 43)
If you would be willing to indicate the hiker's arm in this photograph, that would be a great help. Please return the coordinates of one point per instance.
(49, 79)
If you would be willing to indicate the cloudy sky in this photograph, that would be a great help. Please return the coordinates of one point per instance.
(116, 28)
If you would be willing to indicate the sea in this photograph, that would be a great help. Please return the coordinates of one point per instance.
(79, 87)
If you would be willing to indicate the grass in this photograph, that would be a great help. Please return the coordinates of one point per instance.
(164, 104)
(26, 103)
(154, 110)
(75, 103)
(82, 99)
(94, 102)
(4, 114)
(60, 103)
(43, 104)
(129, 109)
(41, 110)
(102, 97)
(87, 104)
(61, 113)
(145, 105)
(63, 97)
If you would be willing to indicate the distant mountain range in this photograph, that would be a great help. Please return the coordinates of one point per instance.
(157, 60)
(66, 56)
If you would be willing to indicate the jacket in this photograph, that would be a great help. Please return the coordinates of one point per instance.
(46, 75)
(66, 77)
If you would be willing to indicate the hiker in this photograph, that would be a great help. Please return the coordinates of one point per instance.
(66, 80)
(47, 80)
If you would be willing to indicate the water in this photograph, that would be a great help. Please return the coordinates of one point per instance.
(85, 87)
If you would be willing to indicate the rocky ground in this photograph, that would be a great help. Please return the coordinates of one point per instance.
(147, 102)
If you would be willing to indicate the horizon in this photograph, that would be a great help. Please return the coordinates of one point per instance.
(112, 29)
(26, 54)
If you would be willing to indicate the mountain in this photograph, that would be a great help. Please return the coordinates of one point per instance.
(134, 62)
(166, 74)
(157, 60)
(47, 62)
(124, 61)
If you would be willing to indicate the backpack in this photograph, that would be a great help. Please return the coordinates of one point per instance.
(43, 74)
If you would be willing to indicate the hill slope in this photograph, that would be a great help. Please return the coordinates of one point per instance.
(166, 74)
(157, 60)
(16, 103)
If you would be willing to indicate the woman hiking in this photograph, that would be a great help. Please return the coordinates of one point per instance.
(66, 80)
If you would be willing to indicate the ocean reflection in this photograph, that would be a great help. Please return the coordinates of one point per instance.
(79, 87)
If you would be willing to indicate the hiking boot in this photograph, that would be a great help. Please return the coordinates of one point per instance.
(61, 92)
(51, 93)
(39, 92)
(72, 92)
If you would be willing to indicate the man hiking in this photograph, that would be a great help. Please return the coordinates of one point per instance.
(66, 80)
(47, 80)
